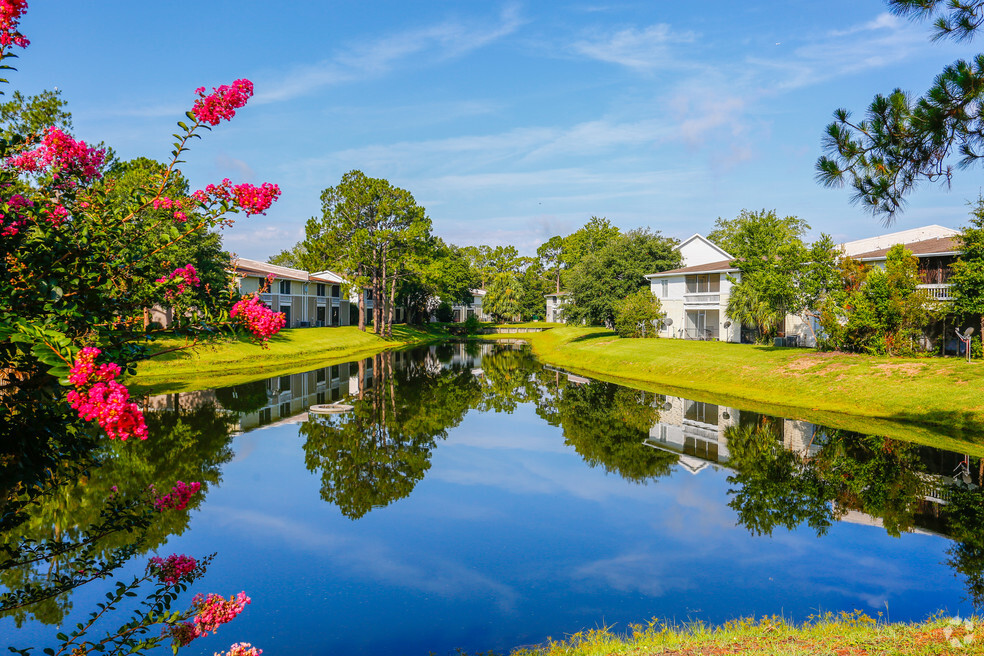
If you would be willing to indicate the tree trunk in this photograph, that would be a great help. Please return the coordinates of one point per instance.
(392, 308)
(362, 304)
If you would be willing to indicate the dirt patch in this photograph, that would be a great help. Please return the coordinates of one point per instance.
(907, 369)
(803, 363)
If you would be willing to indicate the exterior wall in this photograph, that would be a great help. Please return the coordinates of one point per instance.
(699, 251)
(675, 307)
(555, 308)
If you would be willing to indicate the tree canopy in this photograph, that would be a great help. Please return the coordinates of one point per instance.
(605, 277)
(904, 140)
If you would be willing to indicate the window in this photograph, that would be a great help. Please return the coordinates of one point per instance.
(703, 283)
(285, 287)
(368, 294)
(320, 290)
(335, 291)
(321, 375)
(665, 288)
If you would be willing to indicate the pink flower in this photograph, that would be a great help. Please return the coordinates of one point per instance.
(186, 276)
(252, 199)
(257, 317)
(173, 569)
(256, 200)
(241, 649)
(178, 497)
(10, 13)
(222, 103)
(182, 633)
(98, 397)
(63, 153)
(211, 612)
(215, 610)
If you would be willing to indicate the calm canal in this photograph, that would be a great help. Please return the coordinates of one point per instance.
(475, 499)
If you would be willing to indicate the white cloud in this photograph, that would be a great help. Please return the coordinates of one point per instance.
(436, 43)
(641, 49)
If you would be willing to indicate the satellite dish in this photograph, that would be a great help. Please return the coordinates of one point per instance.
(969, 332)
(667, 406)
(668, 322)
(727, 324)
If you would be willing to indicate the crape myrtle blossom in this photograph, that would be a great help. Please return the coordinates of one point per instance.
(211, 612)
(187, 276)
(178, 497)
(222, 103)
(177, 204)
(252, 199)
(65, 155)
(10, 13)
(241, 649)
(174, 568)
(257, 317)
(98, 397)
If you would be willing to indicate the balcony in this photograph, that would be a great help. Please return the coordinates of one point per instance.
(939, 292)
(703, 299)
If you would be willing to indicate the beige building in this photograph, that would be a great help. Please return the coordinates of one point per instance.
(306, 299)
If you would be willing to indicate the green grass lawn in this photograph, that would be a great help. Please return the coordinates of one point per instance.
(923, 399)
(232, 362)
(848, 634)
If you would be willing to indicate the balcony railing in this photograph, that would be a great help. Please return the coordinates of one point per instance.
(705, 334)
(706, 298)
(938, 292)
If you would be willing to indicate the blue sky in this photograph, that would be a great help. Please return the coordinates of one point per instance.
(510, 122)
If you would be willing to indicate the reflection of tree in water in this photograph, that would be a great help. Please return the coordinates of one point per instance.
(244, 398)
(896, 482)
(87, 524)
(377, 453)
(774, 489)
(607, 425)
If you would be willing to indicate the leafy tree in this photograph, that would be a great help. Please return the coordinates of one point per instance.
(442, 274)
(24, 115)
(878, 310)
(551, 255)
(779, 274)
(967, 279)
(590, 238)
(636, 314)
(604, 278)
(533, 286)
(372, 233)
(503, 267)
(903, 140)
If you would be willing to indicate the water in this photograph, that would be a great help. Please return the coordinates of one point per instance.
(475, 499)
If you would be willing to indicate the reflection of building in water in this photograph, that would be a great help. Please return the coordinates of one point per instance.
(696, 430)
(285, 399)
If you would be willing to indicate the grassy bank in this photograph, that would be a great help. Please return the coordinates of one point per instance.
(233, 362)
(844, 635)
(929, 400)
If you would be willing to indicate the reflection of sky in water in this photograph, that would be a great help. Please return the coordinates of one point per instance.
(509, 539)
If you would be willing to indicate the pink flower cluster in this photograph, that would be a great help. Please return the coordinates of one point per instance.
(178, 497)
(257, 317)
(11, 224)
(61, 151)
(211, 612)
(174, 568)
(241, 649)
(178, 205)
(10, 13)
(222, 103)
(188, 277)
(253, 199)
(98, 397)
(256, 200)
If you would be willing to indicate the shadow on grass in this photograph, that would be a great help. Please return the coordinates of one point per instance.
(589, 336)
